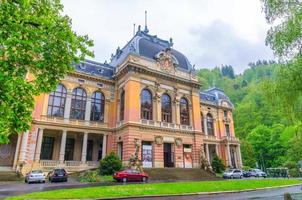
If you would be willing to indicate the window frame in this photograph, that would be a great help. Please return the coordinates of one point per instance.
(78, 112)
(97, 103)
(60, 94)
(146, 110)
(166, 113)
(184, 115)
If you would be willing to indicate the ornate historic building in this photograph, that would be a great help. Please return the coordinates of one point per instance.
(147, 95)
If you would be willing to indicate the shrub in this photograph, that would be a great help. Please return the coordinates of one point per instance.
(110, 164)
(90, 176)
(217, 165)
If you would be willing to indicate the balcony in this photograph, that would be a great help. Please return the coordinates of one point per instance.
(230, 139)
(166, 125)
(212, 138)
(68, 165)
(61, 120)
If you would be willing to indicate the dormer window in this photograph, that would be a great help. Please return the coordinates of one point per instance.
(100, 71)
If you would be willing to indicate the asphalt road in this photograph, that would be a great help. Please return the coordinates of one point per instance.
(267, 194)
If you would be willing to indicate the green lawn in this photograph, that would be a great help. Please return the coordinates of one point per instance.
(157, 188)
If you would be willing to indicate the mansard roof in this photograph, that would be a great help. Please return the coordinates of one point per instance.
(148, 46)
(97, 69)
(215, 96)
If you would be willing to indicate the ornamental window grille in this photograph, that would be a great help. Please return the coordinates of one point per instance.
(146, 104)
(78, 104)
(56, 102)
(184, 111)
(97, 107)
(166, 108)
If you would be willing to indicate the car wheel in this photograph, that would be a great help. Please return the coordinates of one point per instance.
(232, 177)
(145, 179)
(124, 180)
(43, 181)
(25, 180)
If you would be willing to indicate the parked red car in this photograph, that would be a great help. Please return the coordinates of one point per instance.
(130, 175)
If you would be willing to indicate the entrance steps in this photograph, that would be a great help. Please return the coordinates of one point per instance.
(8, 174)
(179, 174)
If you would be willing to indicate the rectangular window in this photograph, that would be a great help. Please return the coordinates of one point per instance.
(227, 130)
(69, 149)
(89, 150)
(47, 148)
(120, 150)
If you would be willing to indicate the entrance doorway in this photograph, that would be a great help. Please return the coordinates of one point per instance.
(168, 155)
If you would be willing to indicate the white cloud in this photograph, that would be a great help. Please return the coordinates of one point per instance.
(110, 24)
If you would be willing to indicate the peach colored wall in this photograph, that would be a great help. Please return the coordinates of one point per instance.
(132, 101)
(196, 112)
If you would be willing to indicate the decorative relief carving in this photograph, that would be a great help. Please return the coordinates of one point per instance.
(178, 142)
(158, 140)
(166, 61)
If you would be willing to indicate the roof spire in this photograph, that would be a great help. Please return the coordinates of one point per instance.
(146, 27)
(134, 29)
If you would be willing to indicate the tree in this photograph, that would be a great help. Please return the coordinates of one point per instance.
(37, 49)
(227, 70)
(248, 154)
(110, 164)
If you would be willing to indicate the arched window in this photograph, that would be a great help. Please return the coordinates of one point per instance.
(122, 105)
(56, 102)
(166, 108)
(184, 111)
(210, 124)
(97, 107)
(202, 123)
(146, 104)
(78, 104)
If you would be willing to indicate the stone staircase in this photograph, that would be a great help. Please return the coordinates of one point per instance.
(8, 174)
(172, 174)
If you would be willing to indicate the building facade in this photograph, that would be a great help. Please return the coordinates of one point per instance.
(147, 96)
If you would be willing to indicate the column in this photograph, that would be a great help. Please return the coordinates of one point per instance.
(17, 151)
(239, 155)
(88, 108)
(104, 146)
(158, 106)
(84, 147)
(205, 125)
(229, 155)
(63, 144)
(177, 112)
(217, 150)
(67, 105)
(39, 144)
(208, 153)
(191, 116)
(23, 148)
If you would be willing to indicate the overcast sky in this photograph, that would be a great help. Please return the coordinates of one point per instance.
(208, 32)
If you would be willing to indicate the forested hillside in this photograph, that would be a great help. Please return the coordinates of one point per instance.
(269, 128)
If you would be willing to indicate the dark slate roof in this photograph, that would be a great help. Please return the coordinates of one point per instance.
(146, 45)
(215, 96)
(95, 69)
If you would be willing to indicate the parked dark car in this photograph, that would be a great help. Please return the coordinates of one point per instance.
(58, 175)
(130, 175)
(246, 174)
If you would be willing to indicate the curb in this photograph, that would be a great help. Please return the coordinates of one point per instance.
(200, 193)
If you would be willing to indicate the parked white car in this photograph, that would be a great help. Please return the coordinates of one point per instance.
(35, 176)
(233, 173)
